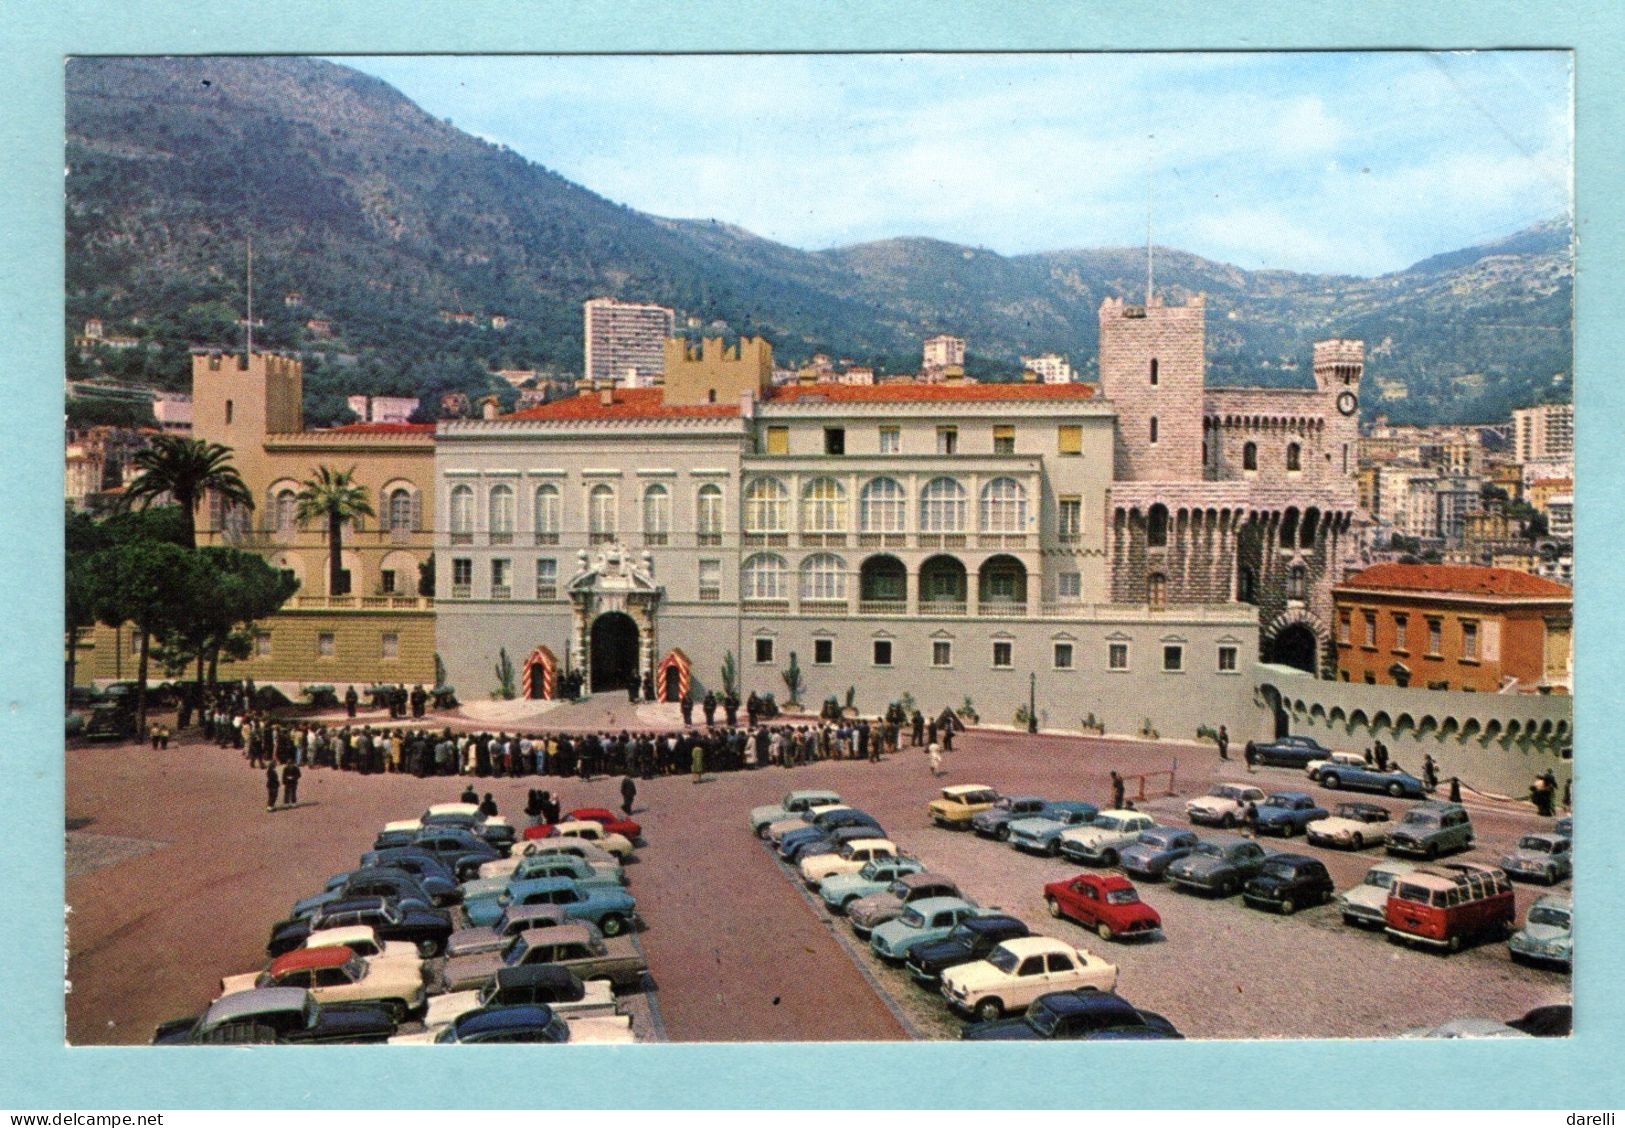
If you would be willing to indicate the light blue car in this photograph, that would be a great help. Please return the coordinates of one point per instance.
(794, 803)
(1041, 834)
(1547, 934)
(921, 923)
(841, 889)
(612, 910)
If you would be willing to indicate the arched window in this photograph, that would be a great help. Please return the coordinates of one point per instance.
(547, 514)
(708, 514)
(400, 517)
(1157, 591)
(1298, 582)
(462, 511)
(883, 506)
(767, 506)
(1246, 586)
(1156, 527)
(286, 506)
(1004, 506)
(1249, 456)
(823, 507)
(1294, 458)
(823, 577)
(942, 506)
(656, 514)
(601, 524)
(500, 523)
(763, 577)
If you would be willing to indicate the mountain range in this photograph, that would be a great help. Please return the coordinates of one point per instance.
(374, 223)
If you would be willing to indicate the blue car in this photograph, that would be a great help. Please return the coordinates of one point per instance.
(462, 851)
(1287, 751)
(528, 1022)
(1041, 833)
(841, 889)
(366, 883)
(612, 910)
(1150, 855)
(823, 828)
(995, 821)
(1288, 812)
(418, 863)
(921, 923)
(1356, 778)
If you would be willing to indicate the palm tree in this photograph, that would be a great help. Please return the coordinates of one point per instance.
(184, 470)
(332, 496)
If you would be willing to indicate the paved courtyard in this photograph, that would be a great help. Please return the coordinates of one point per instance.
(177, 873)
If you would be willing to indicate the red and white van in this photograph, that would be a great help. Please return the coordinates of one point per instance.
(1442, 905)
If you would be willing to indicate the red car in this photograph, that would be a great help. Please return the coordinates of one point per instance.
(1105, 902)
(603, 816)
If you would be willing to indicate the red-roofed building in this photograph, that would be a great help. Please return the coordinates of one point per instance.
(1452, 626)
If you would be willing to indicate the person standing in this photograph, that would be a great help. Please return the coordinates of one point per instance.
(933, 757)
(488, 806)
(687, 706)
(273, 786)
(629, 792)
(917, 737)
(699, 761)
(351, 699)
(1430, 773)
(290, 784)
(1224, 743)
(1117, 791)
(709, 708)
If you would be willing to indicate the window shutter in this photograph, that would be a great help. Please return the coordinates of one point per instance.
(417, 511)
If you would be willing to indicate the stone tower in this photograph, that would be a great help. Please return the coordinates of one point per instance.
(1339, 365)
(1151, 366)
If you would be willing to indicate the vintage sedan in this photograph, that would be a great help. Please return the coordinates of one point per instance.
(1075, 1015)
(427, 928)
(1289, 882)
(463, 851)
(495, 829)
(612, 910)
(611, 821)
(1547, 935)
(1100, 841)
(396, 884)
(777, 830)
(1352, 826)
(1430, 829)
(1286, 751)
(338, 975)
(1565, 826)
(869, 913)
(1366, 905)
(1107, 903)
(1223, 805)
(514, 920)
(818, 826)
(415, 862)
(792, 806)
(1041, 834)
(578, 946)
(1219, 865)
(590, 829)
(850, 858)
(919, 923)
(555, 986)
(600, 859)
(970, 940)
(363, 941)
(995, 821)
(577, 869)
(1335, 760)
(505, 1026)
(1150, 855)
(957, 805)
(842, 890)
(1018, 971)
(1541, 857)
(1287, 813)
(278, 1014)
(1393, 781)
(830, 841)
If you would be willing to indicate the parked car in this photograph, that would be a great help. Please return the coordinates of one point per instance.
(869, 913)
(549, 984)
(612, 910)
(1469, 1027)
(777, 830)
(363, 941)
(1099, 841)
(1430, 829)
(338, 975)
(514, 920)
(1366, 905)
(1287, 813)
(590, 852)
(1289, 882)
(1547, 935)
(577, 946)
(850, 858)
(505, 1026)
(1150, 855)
(830, 841)
(957, 805)
(1041, 834)
(427, 928)
(460, 849)
(1286, 751)
(611, 821)
(1107, 903)
(419, 864)
(820, 827)
(495, 829)
(577, 869)
(1018, 971)
(397, 834)
(971, 939)
(1223, 805)
(396, 884)
(279, 1014)
(841, 890)
(593, 831)
(1075, 1015)
(1352, 826)
(1390, 781)
(1220, 865)
(919, 923)
(995, 821)
(1565, 826)
(1335, 760)
(791, 806)
(1444, 906)
(1543, 857)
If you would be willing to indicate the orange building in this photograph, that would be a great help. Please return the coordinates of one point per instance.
(1448, 626)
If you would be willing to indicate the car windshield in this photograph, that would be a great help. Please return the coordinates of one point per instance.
(488, 993)
(514, 954)
(446, 1037)
(1225, 791)
(1534, 845)
(912, 919)
(1421, 818)
(558, 1030)
(355, 967)
(1004, 959)
(1210, 849)
(596, 946)
(1122, 897)
(1382, 879)
(1042, 1019)
(1549, 914)
(979, 797)
(871, 870)
(1280, 800)
(898, 889)
(1107, 822)
(1281, 870)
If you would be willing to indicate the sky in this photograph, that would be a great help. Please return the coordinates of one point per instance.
(1330, 162)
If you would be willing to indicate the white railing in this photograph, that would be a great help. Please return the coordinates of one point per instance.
(882, 607)
(942, 607)
(362, 603)
(1002, 608)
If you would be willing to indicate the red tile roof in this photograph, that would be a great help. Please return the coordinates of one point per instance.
(383, 429)
(629, 403)
(928, 393)
(308, 959)
(1456, 579)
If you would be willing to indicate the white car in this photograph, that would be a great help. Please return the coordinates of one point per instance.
(1342, 759)
(776, 831)
(337, 975)
(1366, 904)
(1101, 842)
(1352, 826)
(1018, 971)
(617, 844)
(851, 858)
(602, 860)
(363, 941)
(1223, 805)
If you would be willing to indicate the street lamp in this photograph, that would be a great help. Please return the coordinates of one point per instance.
(1032, 702)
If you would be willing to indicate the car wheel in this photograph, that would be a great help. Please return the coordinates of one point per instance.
(1054, 907)
(761, 831)
(1104, 931)
(1053, 847)
(1351, 920)
(846, 905)
(1551, 875)
(1453, 944)
(612, 925)
(1357, 842)
(1287, 907)
(1432, 851)
(1228, 887)
(1228, 821)
(1108, 857)
(429, 949)
(396, 1009)
(1396, 789)
(989, 1010)
(1002, 834)
(1328, 781)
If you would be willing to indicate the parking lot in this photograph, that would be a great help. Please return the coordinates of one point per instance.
(181, 872)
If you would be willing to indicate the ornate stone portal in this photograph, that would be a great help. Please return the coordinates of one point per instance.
(607, 581)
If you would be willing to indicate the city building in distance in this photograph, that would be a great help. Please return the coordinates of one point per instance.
(625, 341)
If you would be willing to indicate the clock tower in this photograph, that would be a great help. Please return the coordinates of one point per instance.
(1339, 364)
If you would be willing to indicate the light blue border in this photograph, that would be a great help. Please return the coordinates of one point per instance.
(39, 1073)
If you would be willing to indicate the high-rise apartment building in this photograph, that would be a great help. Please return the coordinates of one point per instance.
(942, 350)
(626, 341)
(1543, 431)
(1051, 368)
